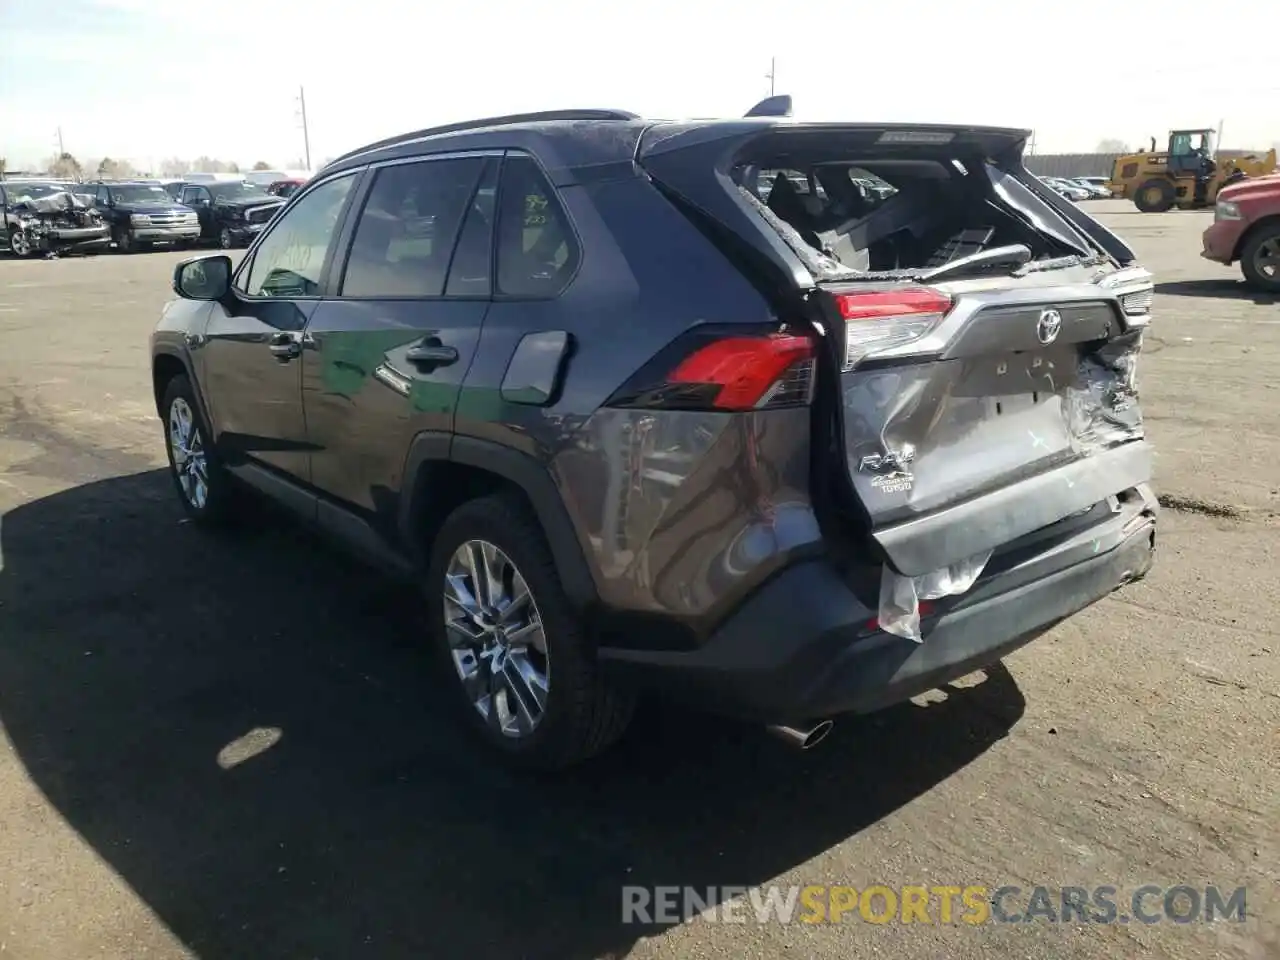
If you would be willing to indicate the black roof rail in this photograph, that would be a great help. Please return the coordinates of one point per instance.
(542, 116)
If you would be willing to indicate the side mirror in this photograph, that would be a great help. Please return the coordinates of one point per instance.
(204, 278)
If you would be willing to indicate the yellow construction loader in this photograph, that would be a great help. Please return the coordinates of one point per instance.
(1187, 175)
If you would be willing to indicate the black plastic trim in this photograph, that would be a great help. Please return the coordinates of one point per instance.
(527, 474)
(537, 484)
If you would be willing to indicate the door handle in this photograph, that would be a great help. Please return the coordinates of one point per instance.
(431, 353)
(284, 347)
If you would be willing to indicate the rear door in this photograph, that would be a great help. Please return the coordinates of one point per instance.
(388, 349)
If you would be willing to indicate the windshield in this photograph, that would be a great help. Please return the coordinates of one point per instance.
(235, 191)
(33, 190)
(139, 193)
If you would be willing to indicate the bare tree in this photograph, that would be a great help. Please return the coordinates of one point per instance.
(116, 169)
(1111, 146)
(64, 166)
(4, 165)
(233, 168)
(174, 167)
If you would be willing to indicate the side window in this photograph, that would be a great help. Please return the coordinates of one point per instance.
(472, 263)
(289, 259)
(537, 251)
(104, 196)
(406, 232)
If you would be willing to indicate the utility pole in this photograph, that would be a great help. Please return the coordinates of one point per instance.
(61, 148)
(306, 135)
(1031, 148)
(773, 64)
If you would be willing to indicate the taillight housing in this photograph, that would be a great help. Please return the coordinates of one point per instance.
(878, 320)
(727, 370)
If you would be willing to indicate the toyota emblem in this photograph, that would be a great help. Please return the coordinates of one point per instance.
(1048, 327)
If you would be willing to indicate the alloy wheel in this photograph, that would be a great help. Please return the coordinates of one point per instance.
(190, 464)
(19, 244)
(496, 638)
(1266, 259)
(224, 239)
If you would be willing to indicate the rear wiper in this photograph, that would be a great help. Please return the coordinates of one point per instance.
(1013, 255)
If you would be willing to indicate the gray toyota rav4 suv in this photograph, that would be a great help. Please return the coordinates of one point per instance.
(683, 408)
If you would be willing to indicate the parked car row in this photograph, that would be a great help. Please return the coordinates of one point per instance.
(51, 217)
(1079, 188)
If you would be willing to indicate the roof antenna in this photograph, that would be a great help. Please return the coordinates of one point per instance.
(779, 106)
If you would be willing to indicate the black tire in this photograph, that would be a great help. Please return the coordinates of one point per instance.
(1154, 196)
(218, 505)
(124, 240)
(1262, 242)
(225, 240)
(583, 713)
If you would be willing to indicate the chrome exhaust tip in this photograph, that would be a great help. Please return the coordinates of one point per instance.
(802, 738)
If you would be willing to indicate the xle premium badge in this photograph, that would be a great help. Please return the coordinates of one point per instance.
(890, 469)
(1048, 326)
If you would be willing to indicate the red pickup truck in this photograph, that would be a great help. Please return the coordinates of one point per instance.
(1246, 227)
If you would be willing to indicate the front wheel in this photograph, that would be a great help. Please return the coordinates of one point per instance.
(124, 240)
(517, 655)
(204, 486)
(19, 243)
(1260, 259)
(1154, 196)
(225, 240)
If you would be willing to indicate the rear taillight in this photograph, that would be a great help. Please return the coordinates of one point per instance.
(729, 373)
(883, 319)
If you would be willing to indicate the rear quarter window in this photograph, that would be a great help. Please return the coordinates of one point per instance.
(537, 250)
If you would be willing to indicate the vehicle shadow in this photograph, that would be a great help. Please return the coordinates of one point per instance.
(241, 726)
(1218, 289)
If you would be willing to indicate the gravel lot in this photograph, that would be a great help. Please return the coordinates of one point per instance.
(1138, 743)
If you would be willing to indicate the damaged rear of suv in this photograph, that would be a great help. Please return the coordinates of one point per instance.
(966, 345)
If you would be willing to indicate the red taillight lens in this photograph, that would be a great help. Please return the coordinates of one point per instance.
(891, 303)
(749, 371)
(882, 319)
(727, 371)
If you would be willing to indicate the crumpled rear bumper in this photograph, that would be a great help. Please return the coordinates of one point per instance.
(805, 647)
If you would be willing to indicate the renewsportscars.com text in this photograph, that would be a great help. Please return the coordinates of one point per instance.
(971, 904)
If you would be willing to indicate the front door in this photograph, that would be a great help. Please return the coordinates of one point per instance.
(200, 200)
(388, 349)
(252, 355)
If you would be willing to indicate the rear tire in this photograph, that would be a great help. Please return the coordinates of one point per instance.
(205, 488)
(1260, 258)
(580, 714)
(1154, 196)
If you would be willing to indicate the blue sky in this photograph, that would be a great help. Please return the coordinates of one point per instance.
(148, 79)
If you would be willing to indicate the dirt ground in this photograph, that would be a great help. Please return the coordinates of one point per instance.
(142, 663)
